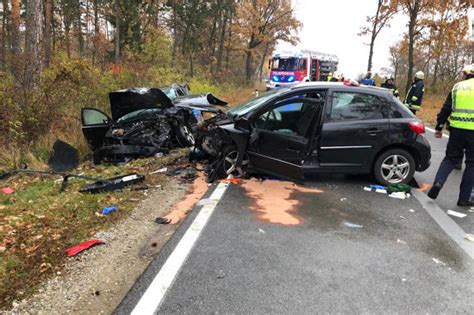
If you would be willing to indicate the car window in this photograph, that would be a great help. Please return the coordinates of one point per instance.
(248, 106)
(355, 106)
(94, 117)
(292, 119)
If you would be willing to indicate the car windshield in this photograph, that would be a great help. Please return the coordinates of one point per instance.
(248, 106)
(137, 113)
(287, 64)
(170, 92)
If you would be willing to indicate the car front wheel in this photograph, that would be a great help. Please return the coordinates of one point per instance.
(394, 166)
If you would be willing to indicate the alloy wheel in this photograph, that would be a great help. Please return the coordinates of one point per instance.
(395, 168)
(230, 163)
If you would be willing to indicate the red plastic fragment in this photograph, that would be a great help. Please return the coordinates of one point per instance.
(8, 190)
(72, 251)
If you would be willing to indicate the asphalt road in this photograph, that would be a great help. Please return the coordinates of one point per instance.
(341, 250)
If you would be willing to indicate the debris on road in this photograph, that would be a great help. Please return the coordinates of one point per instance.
(206, 202)
(456, 214)
(72, 251)
(401, 242)
(161, 170)
(353, 225)
(161, 220)
(261, 231)
(112, 184)
(343, 199)
(399, 188)
(399, 195)
(411, 210)
(439, 262)
(8, 190)
(231, 180)
(469, 237)
(424, 187)
(108, 210)
(377, 188)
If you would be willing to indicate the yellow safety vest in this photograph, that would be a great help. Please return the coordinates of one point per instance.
(462, 115)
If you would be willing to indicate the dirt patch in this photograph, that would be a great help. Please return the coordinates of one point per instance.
(95, 281)
(273, 200)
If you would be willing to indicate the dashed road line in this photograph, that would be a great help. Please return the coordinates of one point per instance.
(153, 296)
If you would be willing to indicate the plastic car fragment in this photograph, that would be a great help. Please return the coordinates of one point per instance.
(72, 251)
(112, 184)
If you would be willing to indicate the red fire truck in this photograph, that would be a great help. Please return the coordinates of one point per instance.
(287, 67)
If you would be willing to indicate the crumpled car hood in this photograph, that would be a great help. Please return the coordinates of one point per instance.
(126, 101)
(205, 102)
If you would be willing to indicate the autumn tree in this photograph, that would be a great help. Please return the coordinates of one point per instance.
(384, 13)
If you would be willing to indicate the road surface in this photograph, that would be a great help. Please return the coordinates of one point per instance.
(272, 247)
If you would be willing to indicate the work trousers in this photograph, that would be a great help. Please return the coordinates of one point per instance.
(461, 141)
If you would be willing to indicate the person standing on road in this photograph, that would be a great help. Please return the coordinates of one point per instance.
(459, 106)
(368, 80)
(415, 93)
(388, 84)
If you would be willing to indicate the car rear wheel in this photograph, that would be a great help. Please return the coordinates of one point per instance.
(394, 166)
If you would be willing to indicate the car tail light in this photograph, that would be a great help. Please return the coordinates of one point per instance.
(417, 127)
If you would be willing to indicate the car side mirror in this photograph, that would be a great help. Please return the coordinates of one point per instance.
(242, 123)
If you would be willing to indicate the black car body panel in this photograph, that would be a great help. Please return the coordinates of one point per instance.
(331, 128)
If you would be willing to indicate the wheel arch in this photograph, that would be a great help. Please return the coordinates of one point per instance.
(407, 148)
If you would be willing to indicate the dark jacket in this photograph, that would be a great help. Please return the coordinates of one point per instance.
(392, 87)
(415, 94)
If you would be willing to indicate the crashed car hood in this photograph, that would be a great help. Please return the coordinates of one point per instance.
(200, 101)
(129, 100)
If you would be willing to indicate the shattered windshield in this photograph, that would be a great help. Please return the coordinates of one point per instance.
(170, 92)
(287, 64)
(248, 106)
(139, 113)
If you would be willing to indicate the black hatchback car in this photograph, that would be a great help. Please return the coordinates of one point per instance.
(319, 127)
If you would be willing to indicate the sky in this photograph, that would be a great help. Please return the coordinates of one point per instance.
(331, 26)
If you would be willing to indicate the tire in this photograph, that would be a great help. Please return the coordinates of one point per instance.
(230, 154)
(185, 135)
(394, 166)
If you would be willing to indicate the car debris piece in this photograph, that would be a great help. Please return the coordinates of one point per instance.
(456, 214)
(72, 251)
(399, 195)
(108, 210)
(161, 220)
(353, 225)
(161, 170)
(8, 190)
(112, 184)
(401, 242)
(437, 261)
(469, 237)
(206, 202)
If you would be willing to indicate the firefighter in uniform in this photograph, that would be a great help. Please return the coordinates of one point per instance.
(388, 84)
(415, 93)
(459, 106)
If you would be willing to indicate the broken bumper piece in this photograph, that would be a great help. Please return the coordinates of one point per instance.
(125, 153)
(112, 184)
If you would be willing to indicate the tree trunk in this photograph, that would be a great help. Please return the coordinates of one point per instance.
(411, 44)
(47, 31)
(262, 63)
(4, 35)
(117, 31)
(96, 18)
(248, 66)
(34, 28)
(78, 27)
(220, 53)
(15, 28)
(373, 36)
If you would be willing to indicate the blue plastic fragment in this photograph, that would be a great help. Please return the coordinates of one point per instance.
(378, 187)
(108, 210)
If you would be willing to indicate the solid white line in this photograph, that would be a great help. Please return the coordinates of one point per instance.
(433, 131)
(153, 296)
(446, 223)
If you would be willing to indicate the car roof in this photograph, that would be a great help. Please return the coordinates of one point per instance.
(339, 85)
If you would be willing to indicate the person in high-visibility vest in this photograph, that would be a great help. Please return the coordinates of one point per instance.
(330, 77)
(415, 93)
(459, 107)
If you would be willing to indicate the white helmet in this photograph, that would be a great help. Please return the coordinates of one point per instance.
(469, 69)
(420, 75)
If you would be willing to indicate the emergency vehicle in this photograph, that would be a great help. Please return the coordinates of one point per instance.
(288, 68)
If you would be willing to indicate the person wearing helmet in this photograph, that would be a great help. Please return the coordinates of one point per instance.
(368, 80)
(388, 84)
(330, 76)
(415, 93)
(459, 107)
(337, 77)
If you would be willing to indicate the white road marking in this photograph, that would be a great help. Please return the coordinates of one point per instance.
(153, 296)
(433, 131)
(446, 223)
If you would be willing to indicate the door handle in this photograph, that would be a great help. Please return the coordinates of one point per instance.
(374, 131)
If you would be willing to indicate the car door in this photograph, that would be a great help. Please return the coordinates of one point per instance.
(280, 136)
(355, 126)
(95, 125)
